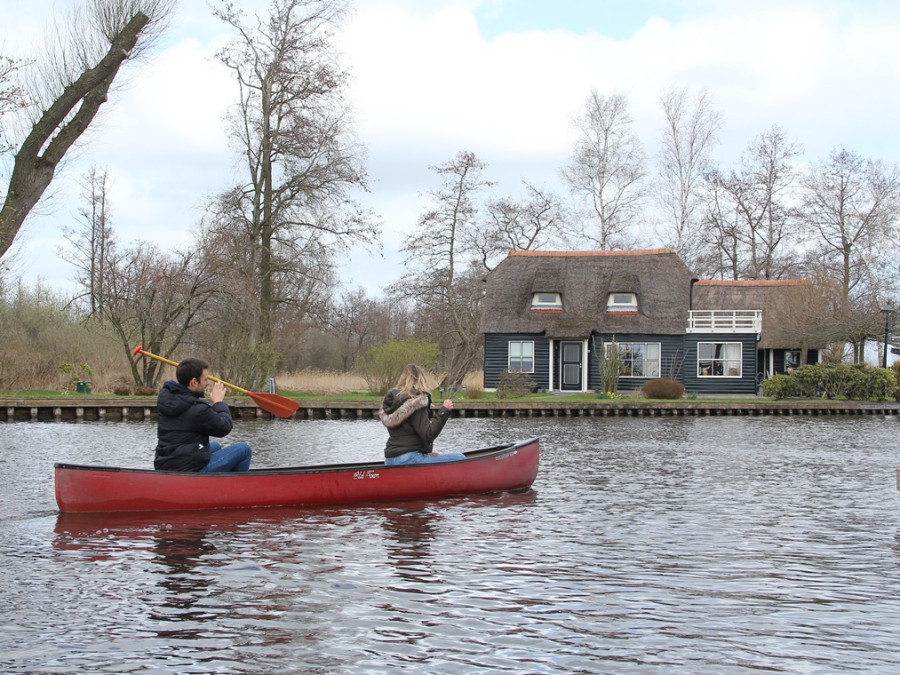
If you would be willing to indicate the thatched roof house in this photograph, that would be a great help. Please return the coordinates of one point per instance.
(781, 301)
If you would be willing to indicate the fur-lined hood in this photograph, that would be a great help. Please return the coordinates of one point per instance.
(396, 408)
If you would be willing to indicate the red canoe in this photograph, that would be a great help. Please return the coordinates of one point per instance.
(91, 489)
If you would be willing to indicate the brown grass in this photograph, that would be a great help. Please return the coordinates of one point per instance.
(322, 382)
(333, 383)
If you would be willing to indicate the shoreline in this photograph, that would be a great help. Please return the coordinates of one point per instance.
(136, 409)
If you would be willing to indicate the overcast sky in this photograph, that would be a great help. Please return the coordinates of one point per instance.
(501, 78)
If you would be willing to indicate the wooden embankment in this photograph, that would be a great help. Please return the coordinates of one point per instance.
(133, 409)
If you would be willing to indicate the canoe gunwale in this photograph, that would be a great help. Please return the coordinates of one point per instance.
(481, 453)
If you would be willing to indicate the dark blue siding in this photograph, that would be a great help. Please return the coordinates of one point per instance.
(496, 357)
(746, 384)
(672, 355)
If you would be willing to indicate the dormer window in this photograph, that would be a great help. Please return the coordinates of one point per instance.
(546, 301)
(622, 302)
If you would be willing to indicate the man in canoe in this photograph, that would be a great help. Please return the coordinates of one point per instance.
(186, 421)
(406, 412)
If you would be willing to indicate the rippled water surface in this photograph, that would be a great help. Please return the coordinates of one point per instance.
(720, 545)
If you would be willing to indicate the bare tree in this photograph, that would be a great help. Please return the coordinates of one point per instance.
(689, 135)
(440, 279)
(156, 300)
(70, 93)
(850, 205)
(606, 171)
(293, 212)
(12, 97)
(93, 243)
(750, 214)
(535, 221)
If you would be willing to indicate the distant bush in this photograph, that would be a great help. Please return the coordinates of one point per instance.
(779, 387)
(145, 391)
(837, 381)
(514, 385)
(663, 388)
(381, 365)
(122, 391)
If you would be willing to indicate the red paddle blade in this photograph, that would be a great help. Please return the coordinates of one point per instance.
(275, 404)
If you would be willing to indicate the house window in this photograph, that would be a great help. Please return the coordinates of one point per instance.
(546, 301)
(521, 356)
(719, 359)
(621, 302)
(791, 360)
(639, 359)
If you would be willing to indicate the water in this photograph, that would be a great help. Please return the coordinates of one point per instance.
(647, 545)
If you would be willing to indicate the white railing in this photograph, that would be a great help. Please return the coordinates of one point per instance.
(724, 321)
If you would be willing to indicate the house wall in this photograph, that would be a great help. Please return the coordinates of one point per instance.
(746, 384)
(496, 358)
(678, 359)
(672, 354)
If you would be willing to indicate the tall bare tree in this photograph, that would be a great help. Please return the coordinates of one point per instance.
(78, 75)
(751, 215)
(850, 209)
(440, 266)
(93, 243)
(606, 171)
(689, 135)
(294, 211)
(850, 205)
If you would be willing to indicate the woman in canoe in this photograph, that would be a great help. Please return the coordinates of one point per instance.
(412, 425)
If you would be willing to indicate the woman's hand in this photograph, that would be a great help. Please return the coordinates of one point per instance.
(448, 404)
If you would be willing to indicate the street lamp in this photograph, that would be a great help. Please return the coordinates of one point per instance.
(887, 310)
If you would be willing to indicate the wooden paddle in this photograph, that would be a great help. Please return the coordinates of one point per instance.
(277, 405)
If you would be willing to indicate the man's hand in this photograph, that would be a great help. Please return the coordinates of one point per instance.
(218, 392)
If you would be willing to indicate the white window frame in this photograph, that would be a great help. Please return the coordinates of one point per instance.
(521, 356)
(546, 301)
(727, 369)
(658, 358)
(622, 302)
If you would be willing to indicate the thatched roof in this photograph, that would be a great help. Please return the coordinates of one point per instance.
(780, 301)
(584, 279)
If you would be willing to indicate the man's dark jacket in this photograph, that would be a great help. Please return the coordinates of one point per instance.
(186, 421)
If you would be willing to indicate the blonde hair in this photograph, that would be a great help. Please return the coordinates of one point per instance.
(412, 381)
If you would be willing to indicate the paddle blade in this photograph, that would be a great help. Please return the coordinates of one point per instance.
(275, 404)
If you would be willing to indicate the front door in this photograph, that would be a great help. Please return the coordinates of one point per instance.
(570, 366)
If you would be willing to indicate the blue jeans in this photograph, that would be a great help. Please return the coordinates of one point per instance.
(416, 457)
(234, 457)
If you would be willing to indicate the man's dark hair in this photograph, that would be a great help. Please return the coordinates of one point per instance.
(189, 369)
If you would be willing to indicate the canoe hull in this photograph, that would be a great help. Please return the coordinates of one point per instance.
(92, 489)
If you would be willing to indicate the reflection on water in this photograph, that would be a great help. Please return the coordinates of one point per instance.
(646, 545)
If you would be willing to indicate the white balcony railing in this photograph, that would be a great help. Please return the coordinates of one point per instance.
(724, 321)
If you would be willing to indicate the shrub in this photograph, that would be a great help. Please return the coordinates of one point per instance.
(779, 386)
(837, 381)
(122, 390)
(877, 384)
(806, 381)
(145, 391)
(381, 365)
(663, 388)
(514, 384)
